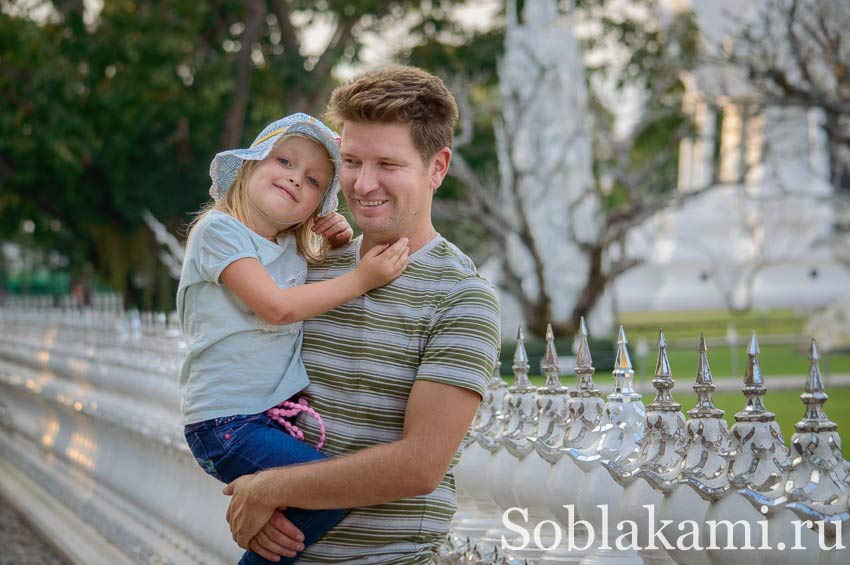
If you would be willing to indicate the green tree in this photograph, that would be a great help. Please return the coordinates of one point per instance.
(116, 112)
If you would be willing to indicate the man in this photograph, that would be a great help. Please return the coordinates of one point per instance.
(397, 374)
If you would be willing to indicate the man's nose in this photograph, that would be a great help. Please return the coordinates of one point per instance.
(366, 181)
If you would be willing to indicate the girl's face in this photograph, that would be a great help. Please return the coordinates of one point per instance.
(288, 184)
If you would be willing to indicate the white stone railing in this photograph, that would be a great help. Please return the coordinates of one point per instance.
(559, 457)
(92, 445)
(91, 448)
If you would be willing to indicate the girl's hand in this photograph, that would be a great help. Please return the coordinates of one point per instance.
(383, 264)
(334, 227)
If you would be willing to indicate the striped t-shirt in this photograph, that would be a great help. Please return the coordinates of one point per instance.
(439, 321)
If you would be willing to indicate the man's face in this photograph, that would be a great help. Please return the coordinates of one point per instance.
(385, 182)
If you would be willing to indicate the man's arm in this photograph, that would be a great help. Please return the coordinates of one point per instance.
(436, 420)
(463, 345)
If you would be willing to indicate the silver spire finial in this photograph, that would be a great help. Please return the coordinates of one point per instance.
(623, 361)
(754, 388)
(584, 361)
(663, 380)
(662, 366)
(814, 398)
(549, 366)
(496, 381)
(520, 365)
(704, 386)
(623, 371)
(753, 376)
(703, 369)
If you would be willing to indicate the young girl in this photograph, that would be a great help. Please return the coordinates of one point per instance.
(242, 299)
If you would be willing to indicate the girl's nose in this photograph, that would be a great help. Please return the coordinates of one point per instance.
(294, 180)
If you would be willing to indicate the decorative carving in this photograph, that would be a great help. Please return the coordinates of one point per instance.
(622, 427)
(758, 456)
(817, 480)
(552, 403)
(707, 458)
(662, 448)
(522, 405)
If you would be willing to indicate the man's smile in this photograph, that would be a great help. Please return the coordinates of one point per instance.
(370, 203)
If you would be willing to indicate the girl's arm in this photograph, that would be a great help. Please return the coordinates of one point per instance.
(250, 281)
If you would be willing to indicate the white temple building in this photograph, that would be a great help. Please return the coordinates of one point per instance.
(761, 237)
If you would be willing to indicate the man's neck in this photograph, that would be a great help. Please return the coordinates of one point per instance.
(415, 240)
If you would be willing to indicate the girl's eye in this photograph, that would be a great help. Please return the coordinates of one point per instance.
(284, 161)
(313, 181)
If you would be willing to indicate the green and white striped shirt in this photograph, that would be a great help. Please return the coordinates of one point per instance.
(439, 321)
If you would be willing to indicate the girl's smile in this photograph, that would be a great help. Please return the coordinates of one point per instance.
(288, 193)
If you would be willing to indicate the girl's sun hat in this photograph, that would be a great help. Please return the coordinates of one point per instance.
(226, 165)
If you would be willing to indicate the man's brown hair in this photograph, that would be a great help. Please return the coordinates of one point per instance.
(399, 94)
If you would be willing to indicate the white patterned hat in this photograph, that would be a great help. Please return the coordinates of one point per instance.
(226, 165)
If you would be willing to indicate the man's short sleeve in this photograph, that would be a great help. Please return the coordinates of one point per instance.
(463, 344)
(221, 242)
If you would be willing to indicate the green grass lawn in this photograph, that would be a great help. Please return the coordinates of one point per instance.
(726, 362)
(686, 326)
(786, 404)
(714, 323)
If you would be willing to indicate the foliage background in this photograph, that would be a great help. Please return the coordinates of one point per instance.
(104, 117)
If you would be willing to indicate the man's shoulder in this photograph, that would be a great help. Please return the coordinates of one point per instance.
(450, 254)
(455, 269)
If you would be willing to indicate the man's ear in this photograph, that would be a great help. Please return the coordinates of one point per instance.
(439, 167)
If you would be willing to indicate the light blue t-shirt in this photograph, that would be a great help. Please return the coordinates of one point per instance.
(237, 363)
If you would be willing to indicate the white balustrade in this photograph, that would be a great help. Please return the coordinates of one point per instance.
(720, 491)
(90, 418)
(89, 409)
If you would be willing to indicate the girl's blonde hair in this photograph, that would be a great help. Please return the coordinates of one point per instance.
(235, 203)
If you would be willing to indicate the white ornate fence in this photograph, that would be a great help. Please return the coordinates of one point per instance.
(91, 448)
(589, 471)
(91, 445)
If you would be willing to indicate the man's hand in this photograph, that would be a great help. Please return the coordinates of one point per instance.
(279, 537)
(249, 509)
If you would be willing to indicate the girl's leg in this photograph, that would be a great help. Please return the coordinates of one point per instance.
(245, 445)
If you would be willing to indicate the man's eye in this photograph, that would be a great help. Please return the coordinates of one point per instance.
(351, 162)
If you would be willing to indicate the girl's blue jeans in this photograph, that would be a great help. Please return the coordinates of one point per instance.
(230, 447)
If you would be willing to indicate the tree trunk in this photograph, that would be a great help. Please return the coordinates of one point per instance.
(255, 11)
(594, 287)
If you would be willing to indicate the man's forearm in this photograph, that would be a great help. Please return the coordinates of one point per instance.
(371, 476)
(411, 466)
(436, 420)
